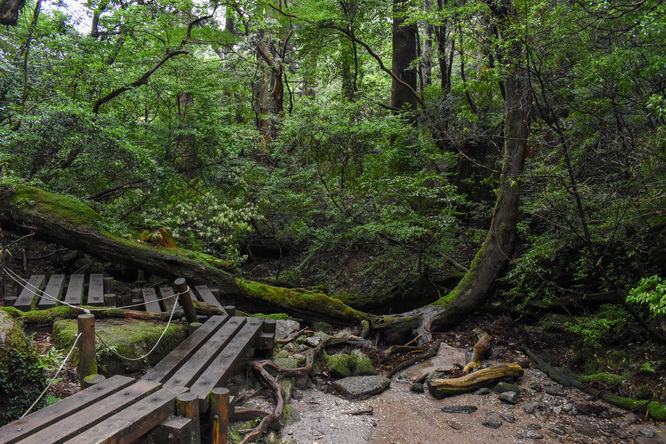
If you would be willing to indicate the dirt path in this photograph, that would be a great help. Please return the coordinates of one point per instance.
(401, 416)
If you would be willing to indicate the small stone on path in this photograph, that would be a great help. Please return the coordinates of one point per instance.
(459, 409)
(492, 422)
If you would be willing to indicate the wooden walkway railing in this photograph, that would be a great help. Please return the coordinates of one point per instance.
(187, 383)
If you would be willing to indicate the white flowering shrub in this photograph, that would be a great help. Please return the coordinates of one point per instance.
(208, 225)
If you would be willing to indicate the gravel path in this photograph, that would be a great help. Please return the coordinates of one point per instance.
(401, 416)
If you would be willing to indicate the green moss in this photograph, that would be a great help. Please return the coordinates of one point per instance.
(274, 316)
(301, 299)
(657, 411)
(340, 365)
(58, 206)
(129, 338)
(626, 403)
(362, 364)
(21, 376)
(604, 378)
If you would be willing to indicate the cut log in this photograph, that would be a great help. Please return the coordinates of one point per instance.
(441, 388)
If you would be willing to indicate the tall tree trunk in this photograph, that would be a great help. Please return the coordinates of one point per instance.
(404, 54)
(496, 251)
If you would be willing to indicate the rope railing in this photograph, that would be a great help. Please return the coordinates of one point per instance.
(41, 294)
(173, 310)
(53, 378)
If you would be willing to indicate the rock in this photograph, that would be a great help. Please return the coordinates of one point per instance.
(502, 387)
(361, 364)
(558, 430)
(508, 417)
(648, 433)
(455, 425)
(482, 391)
(532, 407)
(492, 422)
(284, 329)
(533, 434)
(459, 409)
(538, 374)
(509, 397)
(585, 428)
(533, 427)
(323, 326)
(340, 365)
(555, 390)
(361, 387)
(417, 387)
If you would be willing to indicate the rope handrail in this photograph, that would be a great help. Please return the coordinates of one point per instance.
(53, 378)
(173, 310)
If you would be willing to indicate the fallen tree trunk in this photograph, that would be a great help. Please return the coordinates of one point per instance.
(441, 388)
(70, 223)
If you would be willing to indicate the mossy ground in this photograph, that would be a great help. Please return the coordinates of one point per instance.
(127, 338)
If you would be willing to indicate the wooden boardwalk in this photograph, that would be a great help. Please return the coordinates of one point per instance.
(95, 289)
(187, 383)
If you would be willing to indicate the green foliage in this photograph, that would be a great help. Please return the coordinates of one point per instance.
(595, 330)
(206, 224)
(651, 292)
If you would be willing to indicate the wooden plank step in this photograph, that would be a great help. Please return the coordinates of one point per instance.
(195, 365)
(94, 414)
(208, 297)
(221, 369)
(150, 300)
(70, 406)
(31, 290)
(96, 290)
(171, 300)
(52, 291)
(168, 366)
(74, 293)
(134, 421)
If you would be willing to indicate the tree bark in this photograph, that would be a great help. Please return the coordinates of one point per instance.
(496, 251)
(404, 54)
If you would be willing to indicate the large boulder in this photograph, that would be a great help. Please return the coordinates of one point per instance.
(21, 377)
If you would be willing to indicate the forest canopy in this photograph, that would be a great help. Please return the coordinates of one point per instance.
(379, 150)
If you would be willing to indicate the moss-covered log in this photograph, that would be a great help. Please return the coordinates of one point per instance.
(441, 388)
(69, 222)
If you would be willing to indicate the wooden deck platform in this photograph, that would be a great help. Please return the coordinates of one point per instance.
(123, 409)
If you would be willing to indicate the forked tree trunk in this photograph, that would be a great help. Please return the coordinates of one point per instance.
(496, 251)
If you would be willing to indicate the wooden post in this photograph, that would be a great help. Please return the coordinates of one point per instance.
(230, 309)
(188, 406)
(186, 300)
(219, 415)
(91, 380)
(87, 358)
(191, 328)
(110, 300)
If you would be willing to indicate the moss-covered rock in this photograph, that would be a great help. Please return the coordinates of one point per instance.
(361, 364)
(21, 376)
(127, 338)
(340, 365)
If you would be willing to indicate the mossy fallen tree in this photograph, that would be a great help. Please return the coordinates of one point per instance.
(68, 222)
